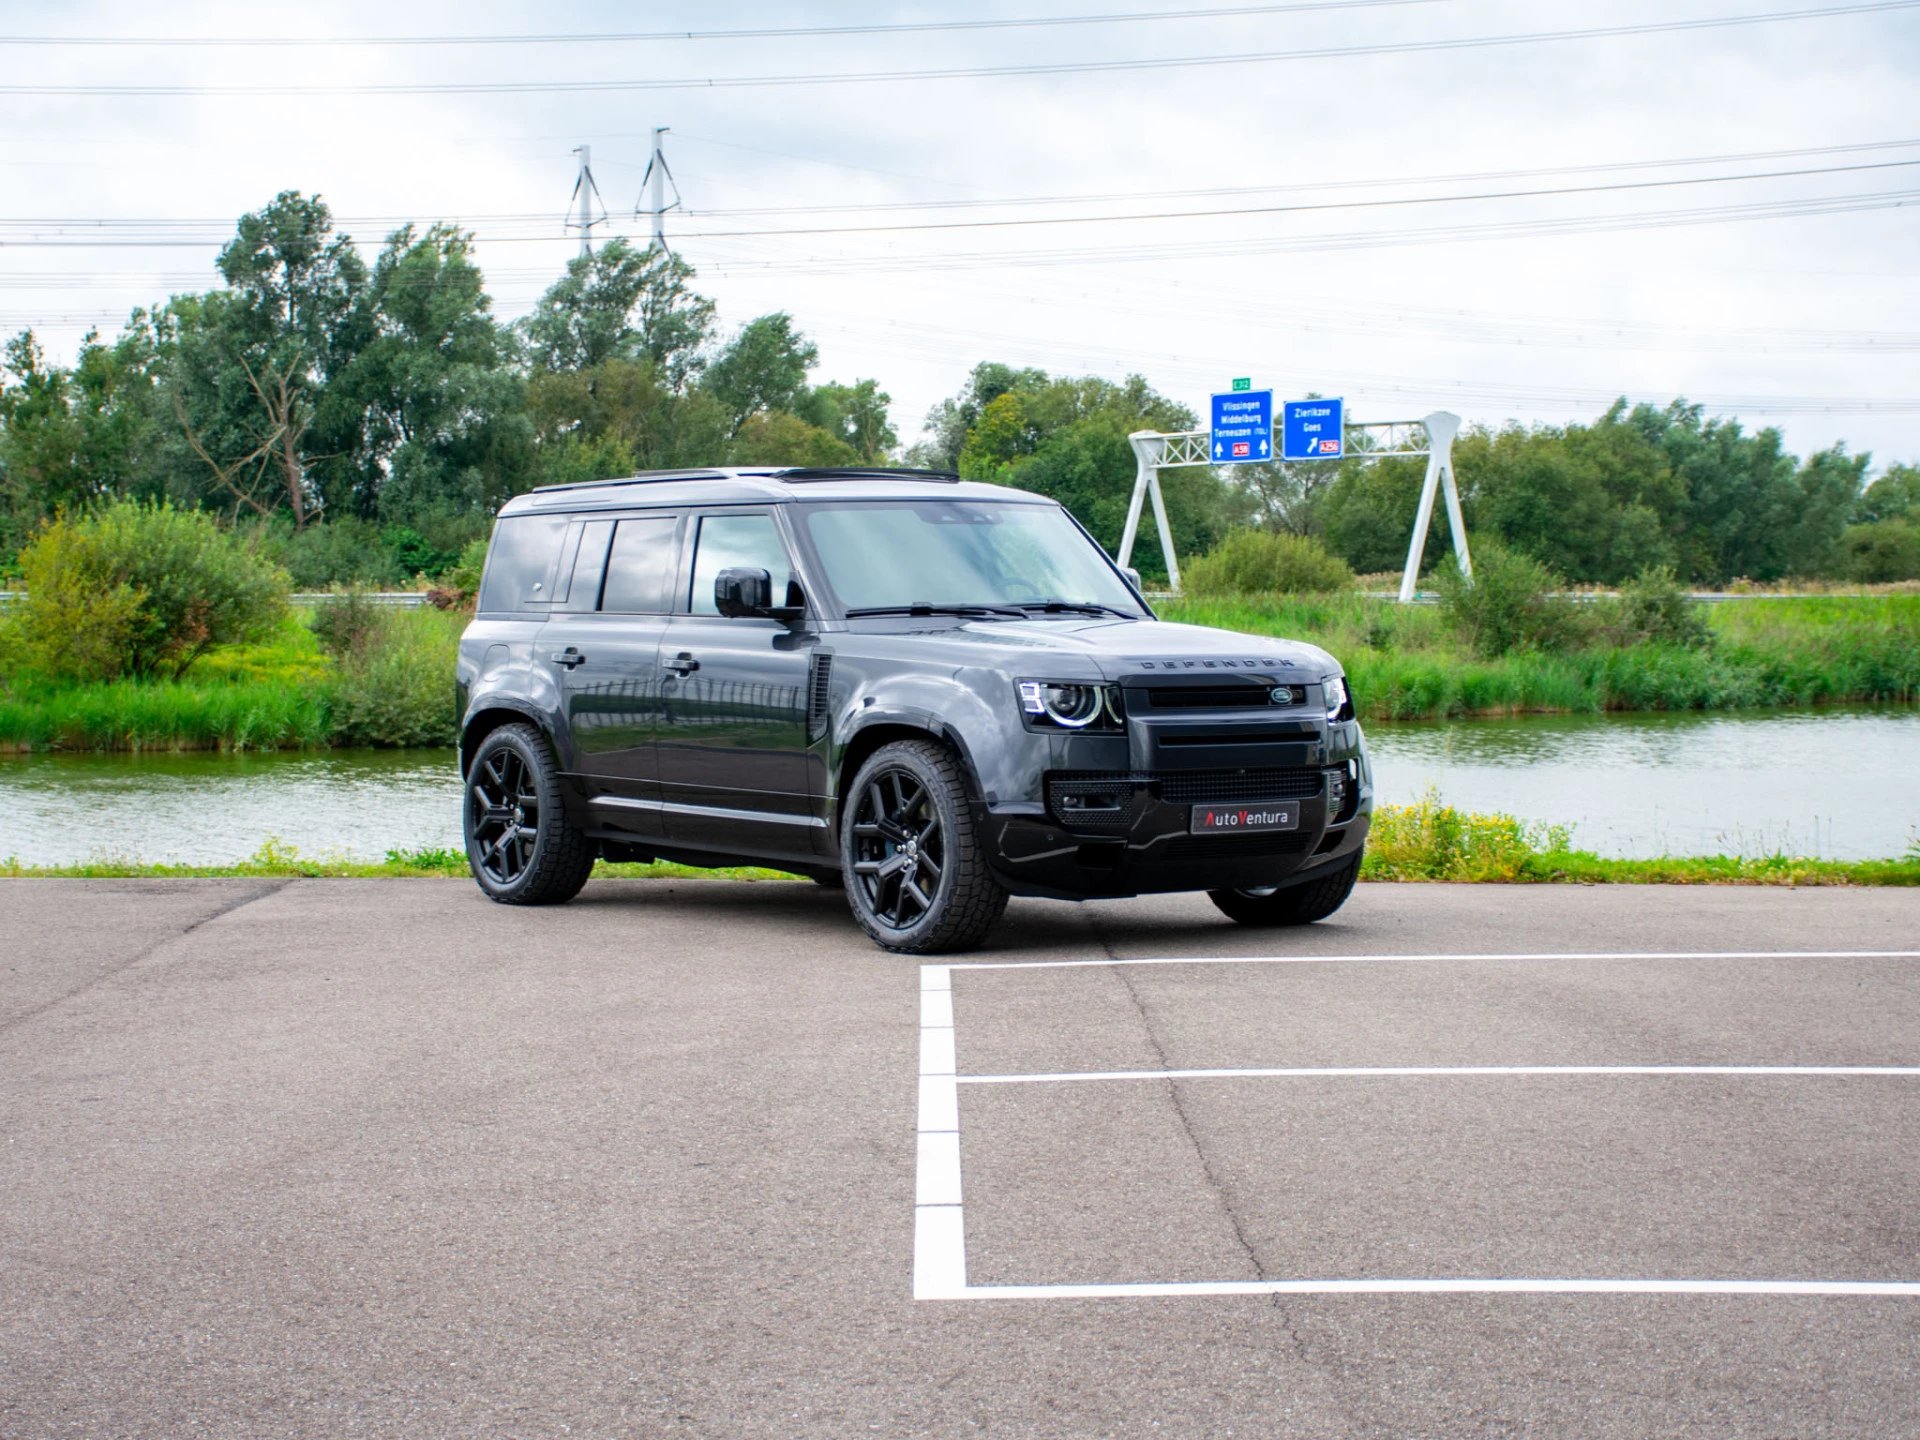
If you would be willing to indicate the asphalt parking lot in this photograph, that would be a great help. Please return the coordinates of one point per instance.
(378, 1158)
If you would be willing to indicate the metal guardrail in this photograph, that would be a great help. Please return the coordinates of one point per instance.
(401, 599)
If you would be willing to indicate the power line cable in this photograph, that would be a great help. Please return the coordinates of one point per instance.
(978, 72)
(167, 229)
(789, 32)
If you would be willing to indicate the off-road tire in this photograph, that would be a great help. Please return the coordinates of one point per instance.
(555, 857)
(1295, 905)
(966, 899)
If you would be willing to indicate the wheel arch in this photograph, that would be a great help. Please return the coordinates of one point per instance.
(485, 721)
(870, 738)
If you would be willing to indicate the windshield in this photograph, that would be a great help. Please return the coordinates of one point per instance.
(961, 552)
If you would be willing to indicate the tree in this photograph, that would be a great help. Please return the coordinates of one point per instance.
(623, 304)
(783, 438)
(619, 413)
(855, 413)
(1894, 496)
(248, 368)
(764, 369)
(447, 435)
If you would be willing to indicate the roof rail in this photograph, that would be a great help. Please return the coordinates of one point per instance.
(807, 475)
(639, 477)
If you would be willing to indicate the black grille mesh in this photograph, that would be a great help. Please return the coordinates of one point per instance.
(1202, 787)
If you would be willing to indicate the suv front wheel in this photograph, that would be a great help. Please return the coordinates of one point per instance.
(916, 879)
(520, 846)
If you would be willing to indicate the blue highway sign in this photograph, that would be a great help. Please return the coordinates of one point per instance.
(1242, 427)
(1313, 429)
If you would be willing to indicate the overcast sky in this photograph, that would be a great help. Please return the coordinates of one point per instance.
(1537, 307)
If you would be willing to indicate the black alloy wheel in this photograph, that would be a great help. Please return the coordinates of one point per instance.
(520, 844)
(898, 848)
(916, 880)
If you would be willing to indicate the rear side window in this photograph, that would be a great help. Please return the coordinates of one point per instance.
(520, 565)
(582, 590)
(640, 568)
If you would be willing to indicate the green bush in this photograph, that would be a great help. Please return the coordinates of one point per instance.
(1885, 551)
(1264, 562)
(1655, 606)
(139, 590)
(396, 687)
(345, 624)
(346, 551)
(1510, 604)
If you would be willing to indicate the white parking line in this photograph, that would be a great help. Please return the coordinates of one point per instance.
(939, 1232)
(1373, 1072)
(1530, 955)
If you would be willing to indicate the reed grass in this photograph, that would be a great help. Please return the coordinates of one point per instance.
(1403, 665)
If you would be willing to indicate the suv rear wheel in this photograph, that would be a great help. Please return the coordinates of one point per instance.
(916, 879)
(519, 845)
(1295, 905)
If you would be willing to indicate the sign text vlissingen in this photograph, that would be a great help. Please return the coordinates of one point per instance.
(1313, 429)
(1242, 426)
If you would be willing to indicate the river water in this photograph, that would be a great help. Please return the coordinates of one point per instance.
(1844, 784)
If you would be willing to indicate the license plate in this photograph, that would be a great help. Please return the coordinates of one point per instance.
(1239, 819)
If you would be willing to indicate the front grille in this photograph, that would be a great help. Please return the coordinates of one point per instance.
(1238, 847)
(1222, 697)
(1102, 801)
(1207, 787)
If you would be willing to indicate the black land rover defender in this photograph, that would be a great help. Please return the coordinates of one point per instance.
(936, 692)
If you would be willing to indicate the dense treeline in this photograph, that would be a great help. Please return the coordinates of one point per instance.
(366, 420)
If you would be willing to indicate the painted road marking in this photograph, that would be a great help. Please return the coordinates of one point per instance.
(1429, 959)
(1374, 1072)
(939, 1229)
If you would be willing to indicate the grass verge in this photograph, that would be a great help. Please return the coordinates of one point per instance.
(1428, 841)
(1788, 650)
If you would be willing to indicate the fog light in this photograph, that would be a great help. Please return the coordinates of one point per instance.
(1339, 788)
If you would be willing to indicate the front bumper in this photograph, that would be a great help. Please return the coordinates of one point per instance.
(1134, 836)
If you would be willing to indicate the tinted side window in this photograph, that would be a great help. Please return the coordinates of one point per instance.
(730, 540)
(582, 592)
(520, 565)
(640, 569)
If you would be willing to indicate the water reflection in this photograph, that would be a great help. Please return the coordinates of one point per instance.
(1844, 784)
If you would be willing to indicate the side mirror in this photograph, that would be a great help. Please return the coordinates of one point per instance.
(741, 592)
(1133, 579)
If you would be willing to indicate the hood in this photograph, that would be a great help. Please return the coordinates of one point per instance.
(1119, 649)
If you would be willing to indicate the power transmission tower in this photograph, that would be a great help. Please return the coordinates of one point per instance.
(586, 195)
(653, 185)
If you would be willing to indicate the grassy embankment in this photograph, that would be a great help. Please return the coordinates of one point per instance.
(285, 693)
(1788, 650)
(1427, 841)
(290, 693)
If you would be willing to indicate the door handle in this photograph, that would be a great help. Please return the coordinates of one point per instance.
(568, 658)
(682, 664)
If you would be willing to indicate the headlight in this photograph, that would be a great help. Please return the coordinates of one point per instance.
(1069, 705)
(1339, 703)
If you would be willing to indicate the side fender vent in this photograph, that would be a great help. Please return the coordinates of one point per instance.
(819, 676)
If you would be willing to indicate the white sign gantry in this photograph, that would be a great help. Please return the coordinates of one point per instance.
(1432, 437)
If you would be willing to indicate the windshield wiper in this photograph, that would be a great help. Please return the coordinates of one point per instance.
(1076, 607)
(922, 607)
